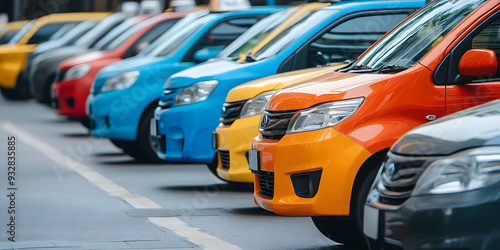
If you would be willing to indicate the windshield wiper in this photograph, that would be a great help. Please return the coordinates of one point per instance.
(249, 58)
(391, 69)
(360, 69)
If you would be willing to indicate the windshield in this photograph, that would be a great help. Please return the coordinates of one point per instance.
(293, 32)
(180, 25)
(77, 31)
(63, 30)
(176, 40)
(413, 39)
(125, 36)
(21, 33)
(101, 28)
(7, 36)
(256, 33)
(114, 33)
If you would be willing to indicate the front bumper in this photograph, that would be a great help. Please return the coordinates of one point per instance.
(326, 151)
(71, 96)
(466, 220)
(186, 131)
(234, 141)
(116, 114)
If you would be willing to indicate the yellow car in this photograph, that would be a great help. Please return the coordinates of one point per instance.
(13, 55)
(240, 123)
(10, 30)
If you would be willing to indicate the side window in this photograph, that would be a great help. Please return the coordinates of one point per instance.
(149, 37)
(346, 41)
(485, 37)
(218, 37)
(489, 38)
(44, 33)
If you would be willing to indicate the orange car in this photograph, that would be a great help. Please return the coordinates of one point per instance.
(322, 141)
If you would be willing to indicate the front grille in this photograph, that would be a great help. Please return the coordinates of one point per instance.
(266, 183)
(231, 111)
(60, 75)
(274, 124)
(224, 159)
(162, 143)
(399, 176)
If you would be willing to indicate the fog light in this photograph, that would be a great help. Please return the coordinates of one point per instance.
(306, 185)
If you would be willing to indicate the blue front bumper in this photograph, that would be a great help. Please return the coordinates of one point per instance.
(117, 114)
(185, 131)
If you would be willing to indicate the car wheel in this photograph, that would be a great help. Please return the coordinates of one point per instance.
(213, 167)
(341, 229)
(124, 145)
(348, 230)
(146, 146)
(44, 96)
(20, 92)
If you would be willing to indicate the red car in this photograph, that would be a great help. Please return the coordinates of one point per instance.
(76, 74)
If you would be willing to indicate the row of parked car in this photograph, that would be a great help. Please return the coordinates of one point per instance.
(316, 99)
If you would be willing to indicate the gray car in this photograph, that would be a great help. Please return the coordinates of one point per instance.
(439, 187)
(42, 68)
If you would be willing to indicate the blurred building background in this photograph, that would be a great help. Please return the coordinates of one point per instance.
(29, 9)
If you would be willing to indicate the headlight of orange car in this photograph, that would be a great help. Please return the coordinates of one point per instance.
(323, 115)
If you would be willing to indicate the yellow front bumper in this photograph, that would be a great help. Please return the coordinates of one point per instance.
(236, 139)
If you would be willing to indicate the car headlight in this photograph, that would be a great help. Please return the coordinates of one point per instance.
(464, 171)
(77, 72)
(255, 105)
(196, 93)
(121, 81)
(324, 115)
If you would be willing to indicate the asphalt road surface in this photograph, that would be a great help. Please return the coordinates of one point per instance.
(72, 191)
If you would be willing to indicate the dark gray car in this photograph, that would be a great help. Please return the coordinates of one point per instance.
(439, 187)
(42, 68)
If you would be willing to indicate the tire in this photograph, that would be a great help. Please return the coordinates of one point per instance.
(85, 122)
(126, 146)
(20, 92)
(45, 96)
(145, 146)
(213, 167)
(348, 230)
(341, 229)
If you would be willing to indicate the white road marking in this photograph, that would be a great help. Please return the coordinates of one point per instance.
(174, 224)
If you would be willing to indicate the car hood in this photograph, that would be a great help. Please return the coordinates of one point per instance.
(63, 52)
(82, 59)
(252, 89)
(130, 64)
(49, 45)
(8, 49)
(151, 66)
(208, 71)
(325, 88)
(471, 128)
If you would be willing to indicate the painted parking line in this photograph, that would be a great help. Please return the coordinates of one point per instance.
(174, 224)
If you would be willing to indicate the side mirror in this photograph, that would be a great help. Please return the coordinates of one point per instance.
(203, 55)
(478, 62)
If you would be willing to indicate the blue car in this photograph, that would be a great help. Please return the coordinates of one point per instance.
(125, 94)
(190, 108)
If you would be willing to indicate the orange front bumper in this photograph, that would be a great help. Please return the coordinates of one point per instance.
(338, 157)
